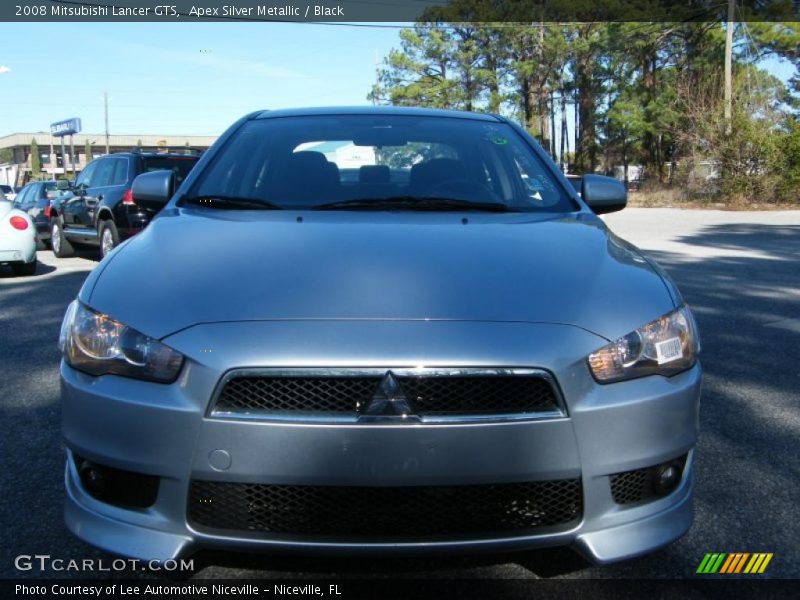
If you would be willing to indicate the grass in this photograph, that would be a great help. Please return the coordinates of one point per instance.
(678, 198)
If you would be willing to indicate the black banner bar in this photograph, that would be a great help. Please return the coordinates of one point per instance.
(386, 589)
(386, 11)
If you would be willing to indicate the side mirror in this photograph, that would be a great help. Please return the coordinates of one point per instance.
(603, 194)
(153, 189)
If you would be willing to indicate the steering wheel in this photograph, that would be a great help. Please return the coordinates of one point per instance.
(464, 189)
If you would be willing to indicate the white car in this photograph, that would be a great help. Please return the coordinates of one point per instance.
(7, 191)
(17, 239)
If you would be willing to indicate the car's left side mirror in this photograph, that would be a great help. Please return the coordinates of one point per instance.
(153, 189)
(603, 194)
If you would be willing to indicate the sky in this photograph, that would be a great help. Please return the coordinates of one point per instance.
(186, 79)
(180, 79)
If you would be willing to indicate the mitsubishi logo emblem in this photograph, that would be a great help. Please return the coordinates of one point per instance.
(389, 402)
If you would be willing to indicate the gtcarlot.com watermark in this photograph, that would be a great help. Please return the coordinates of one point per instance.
(44, 562)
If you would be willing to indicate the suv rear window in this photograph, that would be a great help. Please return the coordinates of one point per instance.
(180, 165)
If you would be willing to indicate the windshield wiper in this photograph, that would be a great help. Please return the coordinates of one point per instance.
(234, 202)
(412, 203)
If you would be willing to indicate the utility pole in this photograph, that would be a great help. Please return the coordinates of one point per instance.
(105, 102)
(564, 147)
(553, 153)
(71, 154)
(729, 67)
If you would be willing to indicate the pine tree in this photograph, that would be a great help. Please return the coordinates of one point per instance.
(36, 166)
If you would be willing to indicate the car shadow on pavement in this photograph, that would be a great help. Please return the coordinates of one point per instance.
(542, 563)
(41, 269)
(745, 293)
(747, 465)
(31, 480)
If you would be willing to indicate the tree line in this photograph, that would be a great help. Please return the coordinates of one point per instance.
(639, 93)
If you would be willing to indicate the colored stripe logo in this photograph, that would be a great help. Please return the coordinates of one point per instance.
(727, 563)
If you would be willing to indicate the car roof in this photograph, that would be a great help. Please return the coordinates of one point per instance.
(40, 182)
(151, 154)
(374, 110)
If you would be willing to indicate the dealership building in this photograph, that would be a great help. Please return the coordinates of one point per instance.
(15, 151)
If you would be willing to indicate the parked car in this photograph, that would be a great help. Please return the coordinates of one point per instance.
(7, 192)
(100, 210)
(17, 239)
(36, 198)
(440, 361)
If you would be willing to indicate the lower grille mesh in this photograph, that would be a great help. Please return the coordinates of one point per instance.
(631, 487)
(384, 511)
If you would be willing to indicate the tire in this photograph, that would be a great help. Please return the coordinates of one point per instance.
(109, 237)
(40, 244)
(58, 241)
(24, 269)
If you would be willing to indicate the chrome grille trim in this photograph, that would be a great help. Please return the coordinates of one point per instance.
(312, 418)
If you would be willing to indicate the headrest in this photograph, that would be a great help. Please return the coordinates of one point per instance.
(427, 174)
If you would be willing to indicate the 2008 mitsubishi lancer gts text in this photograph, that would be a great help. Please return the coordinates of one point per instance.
(378, 330)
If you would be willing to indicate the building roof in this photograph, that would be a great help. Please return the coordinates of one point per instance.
(99, 140)
(326, 147)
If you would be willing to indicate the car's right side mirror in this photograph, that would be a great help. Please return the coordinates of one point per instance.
(153, 189)
(603, 194)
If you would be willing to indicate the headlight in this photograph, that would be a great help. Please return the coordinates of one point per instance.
(98, 345)
(665, 346)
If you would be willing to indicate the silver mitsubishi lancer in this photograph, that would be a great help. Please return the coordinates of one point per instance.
(378, 330)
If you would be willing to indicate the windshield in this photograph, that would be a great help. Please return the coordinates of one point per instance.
(308, 162)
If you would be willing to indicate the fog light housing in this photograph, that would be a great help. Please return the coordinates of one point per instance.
(667, 477)
(649, 483)
(92, 478)
(118, 487)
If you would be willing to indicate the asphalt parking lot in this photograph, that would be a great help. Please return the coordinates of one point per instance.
(739, 271)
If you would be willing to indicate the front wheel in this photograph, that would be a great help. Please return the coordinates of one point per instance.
(109, 237)
(60, 244)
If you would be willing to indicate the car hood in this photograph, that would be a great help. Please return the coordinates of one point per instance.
(195, 266)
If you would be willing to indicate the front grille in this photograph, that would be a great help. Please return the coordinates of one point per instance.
(307, 394)
(478, 395)
(433, 394)
(632, 487)
(386, 512)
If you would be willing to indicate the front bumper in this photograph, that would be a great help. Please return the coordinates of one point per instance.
(164, 431)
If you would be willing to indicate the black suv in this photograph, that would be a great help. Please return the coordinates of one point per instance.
(100, 210)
